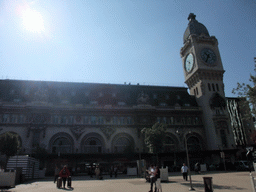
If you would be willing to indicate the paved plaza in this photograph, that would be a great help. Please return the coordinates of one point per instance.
(222, 182)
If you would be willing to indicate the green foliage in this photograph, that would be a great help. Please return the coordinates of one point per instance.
(155, 137)
(9, 144)
(248, 92)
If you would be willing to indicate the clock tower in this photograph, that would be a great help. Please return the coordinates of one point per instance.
(203, 71)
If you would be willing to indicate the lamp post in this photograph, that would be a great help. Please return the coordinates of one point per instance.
(186, 145)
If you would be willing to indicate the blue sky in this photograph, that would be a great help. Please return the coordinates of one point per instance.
(117, 41)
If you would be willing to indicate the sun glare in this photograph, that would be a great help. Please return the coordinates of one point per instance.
(33, 20)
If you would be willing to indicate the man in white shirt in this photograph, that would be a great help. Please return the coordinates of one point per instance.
(184, 171)
(151, 172)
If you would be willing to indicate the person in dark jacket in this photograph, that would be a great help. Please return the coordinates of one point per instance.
(64, 174)
(158, 180)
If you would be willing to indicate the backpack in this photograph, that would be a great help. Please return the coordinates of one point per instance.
(64, 172)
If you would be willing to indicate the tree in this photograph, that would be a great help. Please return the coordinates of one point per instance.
(9, 144)
(155, 137)
(248, 93)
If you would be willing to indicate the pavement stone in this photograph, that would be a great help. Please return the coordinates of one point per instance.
(222, 182)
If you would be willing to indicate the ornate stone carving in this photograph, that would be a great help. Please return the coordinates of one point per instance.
(77, 131)
(108, 131)
(143, 98)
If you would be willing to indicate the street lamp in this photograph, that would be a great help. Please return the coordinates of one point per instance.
(186, 145)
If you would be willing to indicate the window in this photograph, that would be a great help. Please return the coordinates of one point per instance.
(71, 120)
(115, 120)
(62, 145)
(217, 87)
(169, 145)
(121, 144)
(86, 120)
(213, 87)
(223, 138)
(93, 120)
(5, 118)
(13, 118)
(194, 144)
(63, 120)
(100, 120)
(209, 86)
(122, 120)
(129, 121)
(92, 145)
(159, 119)
(55, 119)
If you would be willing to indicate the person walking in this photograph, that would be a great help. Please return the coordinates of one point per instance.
(115, 170)
(64, 174)
(56, 173)
(152, 176)
(184, 171)
(158, 180)
(97, 172)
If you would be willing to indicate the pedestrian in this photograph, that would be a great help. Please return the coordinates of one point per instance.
(64, 174)
(152, 176)
(111, 171)
(184, 171)
(91, 171)
(115, 170)
(197, 167)
(56, 173)
(158, 180)
(97, 172)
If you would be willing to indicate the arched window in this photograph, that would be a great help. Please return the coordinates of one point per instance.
(121, 144)
(92, 145)
(194, 144)
(169, 145)
(62, 145)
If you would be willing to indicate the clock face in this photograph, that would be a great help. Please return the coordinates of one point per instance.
(189, 62)
(208, 56)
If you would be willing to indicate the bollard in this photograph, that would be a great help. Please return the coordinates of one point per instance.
(208, 184)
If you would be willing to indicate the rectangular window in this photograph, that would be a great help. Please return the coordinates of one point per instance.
(217, 87)
(93, 120)
(13, 118)
(56, 119)
(86, 120)
(71, 120)
(223, 138)
(209, 86)
(115, 120)
(159, 119)
(213, 88)
(129, 120)
(63, 119)
(5, 118)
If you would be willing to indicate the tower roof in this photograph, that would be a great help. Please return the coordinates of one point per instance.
(195, 28)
